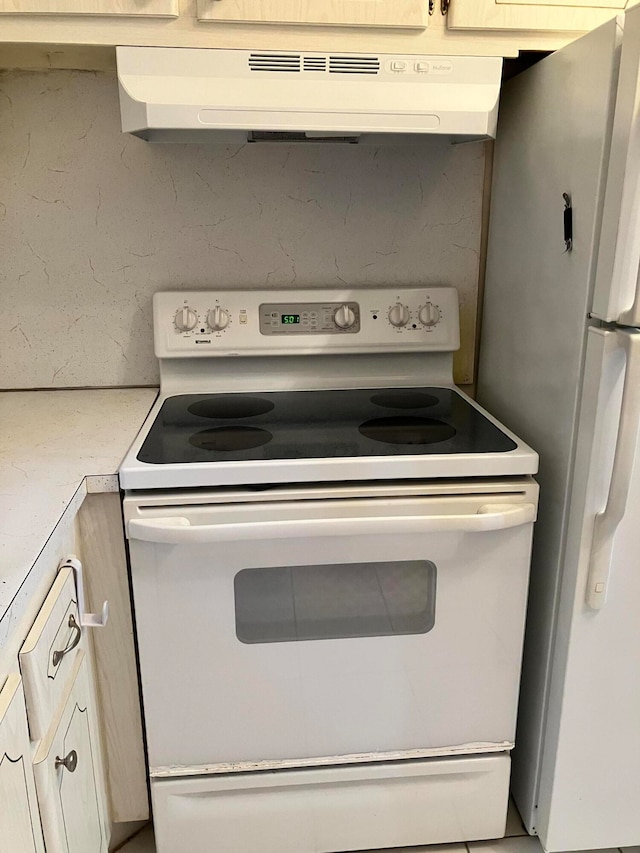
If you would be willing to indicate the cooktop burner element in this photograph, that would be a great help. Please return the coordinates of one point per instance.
(404, 400)
(407, 430)
(318, 424)
(229, 438)
(232, 406)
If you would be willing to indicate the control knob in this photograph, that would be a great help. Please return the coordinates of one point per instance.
(399, 315)
(218, 319)
(344, 317)
(429, 315)
(185, 319)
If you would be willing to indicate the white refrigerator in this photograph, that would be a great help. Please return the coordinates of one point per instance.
(560, 365)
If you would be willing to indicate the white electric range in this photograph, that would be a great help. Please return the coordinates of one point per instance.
(330, 549)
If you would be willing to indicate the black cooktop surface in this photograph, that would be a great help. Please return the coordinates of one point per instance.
(318, 424)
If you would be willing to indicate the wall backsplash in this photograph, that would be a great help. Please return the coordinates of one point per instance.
(92, 222)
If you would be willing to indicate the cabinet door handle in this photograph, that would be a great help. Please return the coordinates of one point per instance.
(70, 762)
(73, 642)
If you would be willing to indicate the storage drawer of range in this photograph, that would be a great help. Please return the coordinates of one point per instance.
(392, 804)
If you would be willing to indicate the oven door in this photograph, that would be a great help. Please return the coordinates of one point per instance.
(292, 633)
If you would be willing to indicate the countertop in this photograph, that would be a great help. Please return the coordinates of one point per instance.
(55, 446)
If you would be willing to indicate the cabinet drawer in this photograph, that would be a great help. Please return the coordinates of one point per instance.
(67, 772)
(48, 654)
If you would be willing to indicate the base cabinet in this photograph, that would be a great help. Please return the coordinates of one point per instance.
(20, 830)
(64, 754)
(67, 773)
(71, 745)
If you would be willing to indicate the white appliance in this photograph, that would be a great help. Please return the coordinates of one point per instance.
(235, 96)
(330, 552)
(560, 362)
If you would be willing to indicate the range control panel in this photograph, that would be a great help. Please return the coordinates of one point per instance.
(235, 322)
(309, 318)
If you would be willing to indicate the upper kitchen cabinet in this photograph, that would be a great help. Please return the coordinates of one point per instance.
(471, 28)
(543, 15)
(136, 8)
(413, 14)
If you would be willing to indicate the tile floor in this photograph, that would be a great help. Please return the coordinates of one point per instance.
(516, 840)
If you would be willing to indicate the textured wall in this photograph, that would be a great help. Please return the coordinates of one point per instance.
(93, 222)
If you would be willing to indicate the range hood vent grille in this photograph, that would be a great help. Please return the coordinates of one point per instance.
(274, 62)
(315, 63)
(295, 62)
(354, 65)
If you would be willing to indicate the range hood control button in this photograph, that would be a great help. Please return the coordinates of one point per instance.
(399, 315)
(185, 319)
(218, 319)
(344, 317)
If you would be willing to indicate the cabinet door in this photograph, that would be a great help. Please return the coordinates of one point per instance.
(20, 830)
(559, 15)
(68, 781)
(138, 8)
(349, 13)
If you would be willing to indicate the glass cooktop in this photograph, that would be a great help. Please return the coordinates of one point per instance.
(318, 424)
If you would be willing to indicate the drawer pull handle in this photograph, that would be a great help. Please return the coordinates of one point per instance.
(73, 641)
(70, 762)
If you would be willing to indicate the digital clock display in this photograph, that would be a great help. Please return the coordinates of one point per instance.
(290, 319)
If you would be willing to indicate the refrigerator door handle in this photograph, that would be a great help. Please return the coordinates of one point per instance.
(607, 521)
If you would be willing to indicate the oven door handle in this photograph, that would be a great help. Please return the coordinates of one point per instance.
(177, 530)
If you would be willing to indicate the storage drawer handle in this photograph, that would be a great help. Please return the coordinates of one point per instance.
(73, 641)
(70, 762)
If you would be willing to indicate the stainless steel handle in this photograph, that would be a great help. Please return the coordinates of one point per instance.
(73, 642)
(70, 762)
(179, 531)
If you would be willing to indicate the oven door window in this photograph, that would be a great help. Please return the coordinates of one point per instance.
(338, 601)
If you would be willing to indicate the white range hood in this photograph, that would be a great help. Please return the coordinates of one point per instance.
(230, 96)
